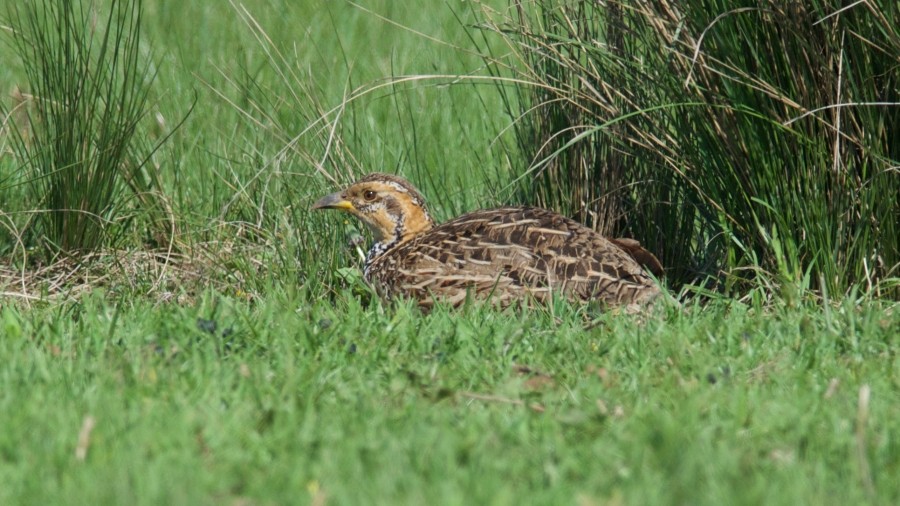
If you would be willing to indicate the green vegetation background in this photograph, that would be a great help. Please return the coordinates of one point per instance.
(258, 390)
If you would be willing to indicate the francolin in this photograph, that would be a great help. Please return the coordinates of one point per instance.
(506, 254)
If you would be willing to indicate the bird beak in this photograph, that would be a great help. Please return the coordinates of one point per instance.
(333, 201)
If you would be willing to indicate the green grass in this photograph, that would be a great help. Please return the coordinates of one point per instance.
(711, 131)
(116, 389)
(722, 405)
(75, 129)
(231, 171)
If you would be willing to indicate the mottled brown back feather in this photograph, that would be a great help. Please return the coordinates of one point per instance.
(513, 253)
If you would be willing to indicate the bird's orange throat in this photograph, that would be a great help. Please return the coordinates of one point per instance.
(397, 218)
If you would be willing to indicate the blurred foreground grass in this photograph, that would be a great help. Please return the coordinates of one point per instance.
(289, 402)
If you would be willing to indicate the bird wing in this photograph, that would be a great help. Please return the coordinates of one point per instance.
(509, 252)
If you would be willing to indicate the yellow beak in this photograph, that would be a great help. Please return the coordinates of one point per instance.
(333, 201)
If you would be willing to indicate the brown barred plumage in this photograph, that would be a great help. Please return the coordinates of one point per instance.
(505, 254)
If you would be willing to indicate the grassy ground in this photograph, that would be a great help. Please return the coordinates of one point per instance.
(295, 402)
(288, 396)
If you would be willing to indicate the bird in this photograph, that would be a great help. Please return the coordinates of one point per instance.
(505, 254)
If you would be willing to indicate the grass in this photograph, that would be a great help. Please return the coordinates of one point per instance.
(239, 361)
(76, 130)
(295, 402)
(723, 134)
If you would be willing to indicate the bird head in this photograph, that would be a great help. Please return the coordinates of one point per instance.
(389, 205)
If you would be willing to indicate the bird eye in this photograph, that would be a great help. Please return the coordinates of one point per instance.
(369, 195)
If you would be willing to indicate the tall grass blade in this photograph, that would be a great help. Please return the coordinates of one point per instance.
(699, 126)
(82, 158)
